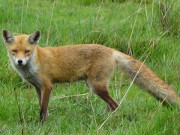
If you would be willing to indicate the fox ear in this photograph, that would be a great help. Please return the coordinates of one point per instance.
(34, 38)
(7, 36)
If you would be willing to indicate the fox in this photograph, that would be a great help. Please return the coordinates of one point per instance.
(93, 63)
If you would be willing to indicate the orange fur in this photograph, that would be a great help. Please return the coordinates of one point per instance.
(90, 62)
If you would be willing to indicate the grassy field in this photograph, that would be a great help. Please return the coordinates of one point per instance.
(143, 29)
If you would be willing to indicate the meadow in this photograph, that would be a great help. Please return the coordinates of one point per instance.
(149, 30)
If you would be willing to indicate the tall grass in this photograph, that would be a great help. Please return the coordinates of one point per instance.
(169, 19)
(147, 28)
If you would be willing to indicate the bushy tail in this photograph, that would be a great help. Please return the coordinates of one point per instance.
(146, 79)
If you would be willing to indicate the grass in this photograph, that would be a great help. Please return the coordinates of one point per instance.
(133, 27)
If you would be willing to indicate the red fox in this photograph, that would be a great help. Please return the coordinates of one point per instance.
(42, 67)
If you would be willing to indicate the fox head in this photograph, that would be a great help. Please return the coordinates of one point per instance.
(20, 48)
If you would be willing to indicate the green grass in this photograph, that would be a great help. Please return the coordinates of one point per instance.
(126, 25)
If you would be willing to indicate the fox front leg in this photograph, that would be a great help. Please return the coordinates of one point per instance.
(44, 103)
(39, 94)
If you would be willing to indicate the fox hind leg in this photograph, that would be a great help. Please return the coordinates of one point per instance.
(98, 77)
(101, 90)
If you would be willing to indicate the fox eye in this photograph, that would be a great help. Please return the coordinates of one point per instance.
(27, 51)
(15, 51)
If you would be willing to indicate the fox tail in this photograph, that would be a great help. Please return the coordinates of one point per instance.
(146, 79)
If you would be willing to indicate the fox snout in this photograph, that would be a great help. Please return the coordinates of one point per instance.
(20, 62)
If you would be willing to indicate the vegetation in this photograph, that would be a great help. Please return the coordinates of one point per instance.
(146, 29)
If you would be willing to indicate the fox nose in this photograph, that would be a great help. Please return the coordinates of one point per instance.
(20, 61)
